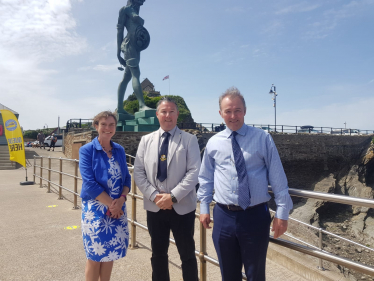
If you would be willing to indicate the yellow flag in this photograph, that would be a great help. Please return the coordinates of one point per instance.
(13, 134)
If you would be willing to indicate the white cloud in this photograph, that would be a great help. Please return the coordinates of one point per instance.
(331, 18)
(33, 32)
(100, 67)
(301, 7)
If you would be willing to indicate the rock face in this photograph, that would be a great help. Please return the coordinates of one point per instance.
(351, 222)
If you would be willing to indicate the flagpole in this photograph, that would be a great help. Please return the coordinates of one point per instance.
(169, 85)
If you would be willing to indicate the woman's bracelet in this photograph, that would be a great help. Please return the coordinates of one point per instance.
(123, 195)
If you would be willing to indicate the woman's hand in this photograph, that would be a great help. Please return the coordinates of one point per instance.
(116, 208)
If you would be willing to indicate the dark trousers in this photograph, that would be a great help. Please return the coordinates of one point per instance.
(242, 238)
(52, 145)
(182, 226)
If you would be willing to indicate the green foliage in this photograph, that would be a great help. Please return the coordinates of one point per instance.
(132, 106)
(372, 140)
(32, 134)
(132, 97)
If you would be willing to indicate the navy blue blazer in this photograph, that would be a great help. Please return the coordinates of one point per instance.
(94, 171)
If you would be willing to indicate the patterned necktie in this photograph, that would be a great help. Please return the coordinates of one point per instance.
(244, 193)
(162, 172)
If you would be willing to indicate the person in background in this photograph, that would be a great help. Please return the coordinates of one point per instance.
(106, 182)
(238, 165)
(53, 142)
(41, 138)
(166, 168)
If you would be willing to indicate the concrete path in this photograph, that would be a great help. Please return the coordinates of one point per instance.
(40, 236)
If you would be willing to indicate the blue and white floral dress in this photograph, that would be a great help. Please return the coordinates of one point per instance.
(105, 239)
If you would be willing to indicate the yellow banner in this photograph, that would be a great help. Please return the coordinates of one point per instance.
(13, 134)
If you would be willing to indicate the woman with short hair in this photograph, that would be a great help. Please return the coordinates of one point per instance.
(106, 182)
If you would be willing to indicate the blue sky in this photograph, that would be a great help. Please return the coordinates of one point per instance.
(58, 58)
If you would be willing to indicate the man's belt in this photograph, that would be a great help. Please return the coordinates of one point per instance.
(235, 208)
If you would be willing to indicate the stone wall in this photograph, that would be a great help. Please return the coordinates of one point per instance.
(306, 158)
(74, 140)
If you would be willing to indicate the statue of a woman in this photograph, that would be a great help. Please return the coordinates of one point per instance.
(136, 40)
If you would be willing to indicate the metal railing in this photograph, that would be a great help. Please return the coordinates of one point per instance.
(79, 123)
(60, 173)
(286, 129)
(311, 250)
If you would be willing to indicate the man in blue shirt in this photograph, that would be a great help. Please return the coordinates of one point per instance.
(238, 165)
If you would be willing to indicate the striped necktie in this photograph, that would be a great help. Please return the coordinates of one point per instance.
(244, 192)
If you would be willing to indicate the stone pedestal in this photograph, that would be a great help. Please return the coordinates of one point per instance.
(143, 121)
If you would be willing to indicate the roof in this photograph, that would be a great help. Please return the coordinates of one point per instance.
(4, 107)
(146, 83)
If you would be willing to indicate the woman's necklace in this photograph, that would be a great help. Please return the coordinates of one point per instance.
(107, 151)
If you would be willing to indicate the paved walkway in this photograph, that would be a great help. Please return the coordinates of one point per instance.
(40, 236)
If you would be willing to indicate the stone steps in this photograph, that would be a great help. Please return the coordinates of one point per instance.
(5, 163)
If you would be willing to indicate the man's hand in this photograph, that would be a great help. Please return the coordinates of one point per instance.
(279, 227)
(163, 201)
(205, 220)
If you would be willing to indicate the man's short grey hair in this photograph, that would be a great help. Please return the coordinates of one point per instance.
(232, 93)
(166, 99)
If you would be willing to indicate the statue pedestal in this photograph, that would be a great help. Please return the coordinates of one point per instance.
(143, 121)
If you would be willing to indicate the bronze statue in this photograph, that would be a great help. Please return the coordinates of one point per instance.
(136, 40)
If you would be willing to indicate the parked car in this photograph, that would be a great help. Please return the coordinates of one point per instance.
(47, 140)
(308, 131)
(352, 132)
(35, 144)
(266, 128)
(347, 132)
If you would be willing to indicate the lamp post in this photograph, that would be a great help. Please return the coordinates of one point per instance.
(273, 92)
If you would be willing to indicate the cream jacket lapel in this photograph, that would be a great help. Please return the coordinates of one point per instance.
(174, 144)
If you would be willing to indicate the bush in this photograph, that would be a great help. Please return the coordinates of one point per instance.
(132, 106)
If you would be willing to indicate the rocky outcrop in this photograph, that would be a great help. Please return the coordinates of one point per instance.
(351, 222)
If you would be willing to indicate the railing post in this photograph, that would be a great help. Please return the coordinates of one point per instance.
(202, 253)
(320, 267)
(34, 167)
(133, 215)
(60, 181)
(49, 175)
(41, 172)
(282, 128)
(76, 185)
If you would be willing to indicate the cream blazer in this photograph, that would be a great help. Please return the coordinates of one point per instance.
(183, 165)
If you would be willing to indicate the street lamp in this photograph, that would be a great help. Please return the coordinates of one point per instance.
(273, 92)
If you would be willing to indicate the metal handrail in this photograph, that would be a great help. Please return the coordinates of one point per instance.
(327, 232)
(60, 186)
(311, 250)
(325, 256)
(336, 198)
(292, 129)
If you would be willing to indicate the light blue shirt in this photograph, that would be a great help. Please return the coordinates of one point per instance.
(263, 166)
